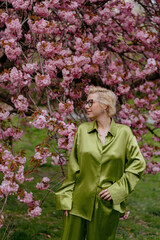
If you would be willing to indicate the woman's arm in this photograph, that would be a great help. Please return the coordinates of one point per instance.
(134, 169)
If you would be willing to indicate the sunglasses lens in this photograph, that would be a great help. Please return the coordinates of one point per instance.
(89, 103)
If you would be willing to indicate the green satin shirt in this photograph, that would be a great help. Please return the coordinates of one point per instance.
(116, 165)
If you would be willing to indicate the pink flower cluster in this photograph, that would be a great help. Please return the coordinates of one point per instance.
(20, 103)
(40, 119)
(9, 132)
(41, 9)
(33, 206)
(67, 132)
(12, 50)
(8, 187)
(125, 216)
(4, 114)
(152, 168)
(30, 67)
(41, 154)
(21, 4)
(42, 80)
(44, 184)
(49, 49)
(43, 26)
(58, 160)
(13, 29)
(66, 108)
(147, 151)
(156, 117)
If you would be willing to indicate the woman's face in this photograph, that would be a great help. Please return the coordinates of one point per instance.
(93, 107)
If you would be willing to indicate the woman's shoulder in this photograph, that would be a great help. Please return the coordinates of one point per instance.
(124, 128)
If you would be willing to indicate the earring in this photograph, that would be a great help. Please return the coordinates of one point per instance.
(103, 110)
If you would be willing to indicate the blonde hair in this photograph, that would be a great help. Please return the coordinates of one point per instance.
(106, 97)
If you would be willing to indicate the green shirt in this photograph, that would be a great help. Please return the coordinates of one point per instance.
(116, 165)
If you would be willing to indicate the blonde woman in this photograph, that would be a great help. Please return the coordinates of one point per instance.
(104, 166)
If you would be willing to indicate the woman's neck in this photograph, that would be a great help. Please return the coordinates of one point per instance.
(104, 122)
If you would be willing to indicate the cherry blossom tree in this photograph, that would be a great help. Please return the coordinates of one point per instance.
(51, 52)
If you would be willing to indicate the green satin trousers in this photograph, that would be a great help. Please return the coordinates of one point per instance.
(103, 225)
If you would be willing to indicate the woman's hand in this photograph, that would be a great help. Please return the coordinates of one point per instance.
(105, 194)
(66, 212)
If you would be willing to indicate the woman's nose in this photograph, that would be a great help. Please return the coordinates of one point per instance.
(86, 106)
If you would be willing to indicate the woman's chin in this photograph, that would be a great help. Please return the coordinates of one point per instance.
(90, 117)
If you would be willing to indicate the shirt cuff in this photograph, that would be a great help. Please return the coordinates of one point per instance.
(63, 201)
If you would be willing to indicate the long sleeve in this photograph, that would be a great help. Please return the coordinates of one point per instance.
(64, 193)
(134, 168)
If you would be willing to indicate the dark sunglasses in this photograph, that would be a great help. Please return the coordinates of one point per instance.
(89, 102)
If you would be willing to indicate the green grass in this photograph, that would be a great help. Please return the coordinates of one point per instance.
(143, 204)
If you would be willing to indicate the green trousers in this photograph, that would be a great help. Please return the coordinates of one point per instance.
(103, 225)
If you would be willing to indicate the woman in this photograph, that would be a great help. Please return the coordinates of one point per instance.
(105, 165)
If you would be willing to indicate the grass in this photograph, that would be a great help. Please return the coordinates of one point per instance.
(143, 204)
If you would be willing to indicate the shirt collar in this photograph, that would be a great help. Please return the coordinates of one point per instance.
(112, 130)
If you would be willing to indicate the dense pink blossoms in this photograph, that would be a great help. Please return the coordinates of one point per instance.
(20, 103)
(51, 52)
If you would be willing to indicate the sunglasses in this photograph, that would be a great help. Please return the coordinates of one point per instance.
(89, 103)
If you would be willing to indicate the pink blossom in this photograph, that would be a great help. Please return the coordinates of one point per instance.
(99, 57)
(91, 69)
(35, 212)
(125, 216)
(7, 187)
(12, 52)
(21, 4)
(3, 18)
(20, 175)
(81, 60)
(151, 66)
(43, 27)
(156, 139)
(66, 108)
(58, 160)
(29, 179)
(39, 122)
(42, 80)
(7, 156)
(62, 143)
(49, 49)
(16, 76)
(42, 154)
(20, 103)
(123, 89)
(126, 122)
(4, 114)
(13, 29)
(147, 87)
(140, 102)
(76, 72)
(41, 9)
(156, 20)
(152, 167)
(81, 46)
(50, 68)
(30, 67)
(155, 115)
(28, 198)
(90, 18)
(21, 160)
(44, 184)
